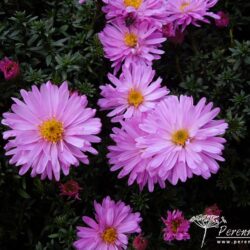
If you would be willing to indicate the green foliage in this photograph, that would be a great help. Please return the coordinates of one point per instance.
(57, 40)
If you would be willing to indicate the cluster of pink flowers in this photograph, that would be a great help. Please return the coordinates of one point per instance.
(115, 222)
(124, 38)
(161, 138)
(133, 33)
(172, 142)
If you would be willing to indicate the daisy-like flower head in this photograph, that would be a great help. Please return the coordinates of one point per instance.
(183, 138)
(50, 130)
(125, 155)
(176, 226)
(152, 11)
(185, 12)
(138, 43)
(133, 93)
(113, 224)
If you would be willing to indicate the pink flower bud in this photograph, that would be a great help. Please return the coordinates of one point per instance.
(223, 21)
(9, 68)
(168, 30)
(71, 189)
(140, 243)
(213, 210)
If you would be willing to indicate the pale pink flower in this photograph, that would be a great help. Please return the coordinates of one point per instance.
(177, 226)
(152, 11)
(114, 223)
(126, 156)
(138, 43)
(135, 92)
(50, 130)
(183, 139)
(185, 12)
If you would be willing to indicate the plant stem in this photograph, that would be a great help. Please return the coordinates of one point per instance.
(231, 36)
(193, 43)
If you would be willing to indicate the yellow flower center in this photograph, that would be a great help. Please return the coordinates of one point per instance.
(130, 40)
(175, 225)
(109, 235)
(133, 3)
(180, 137)
(51, 130)
(183, 6)
(135, 98)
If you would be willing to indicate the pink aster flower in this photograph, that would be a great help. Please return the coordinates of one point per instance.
(50, 130)
(137, 43)
(183, 138)
(133, 93)
(140, 243)
(185, 12)
(125, 155)
(82, 1)
(176, 226)
(152, 11)
(9, 68)
(213, 210)
(70, 188)
(223, 21)
(113, 224)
